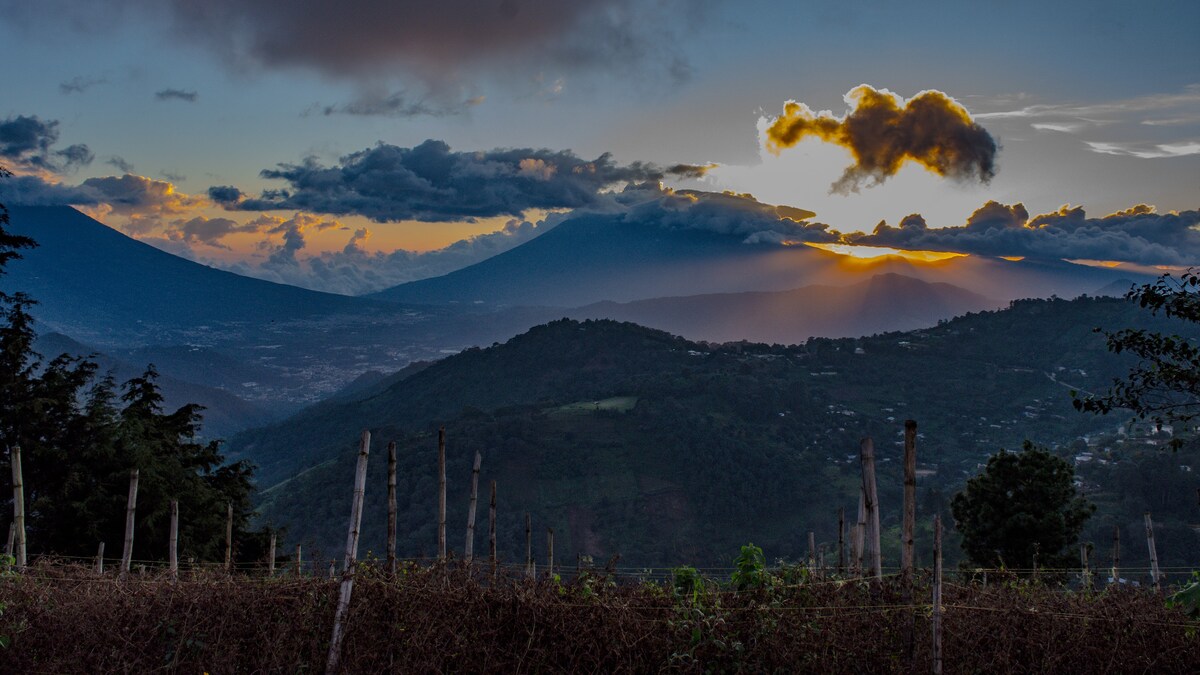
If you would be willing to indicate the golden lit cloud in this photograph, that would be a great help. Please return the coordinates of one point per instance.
(883, 132)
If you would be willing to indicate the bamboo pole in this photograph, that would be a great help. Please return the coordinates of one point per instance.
(871, 503)
(18, 506)
(1116, 568)
(271, 556)
(173, 542)
(1086, 576)
(529, 569)
(391, 497)
(347, 588)
(100, 559)
(1154, 577)
(130, 509)
(861, 529)
(229, 537)
(469, 547)
(937, 595)
(299, 564)
(550, 551)
(441, 493)
(910, 502)
(492, 529)
(841, 568)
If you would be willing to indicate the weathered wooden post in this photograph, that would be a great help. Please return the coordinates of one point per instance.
(937, 595)
(871, 503)
(442, 493)
(550, 551)
(469, 547)
(861, 532)
(841, 568)
(1116, 569)
(492, 529)
(529, 565)
(1085, 579)
(812, 553)
(130, 509)
(1153, 553)
(100, 559)
(18, 506)
(908, 526)
(173, 541)
(228, 537)
(343, 606)
(299, 563)
(391, 497)
(271, 556)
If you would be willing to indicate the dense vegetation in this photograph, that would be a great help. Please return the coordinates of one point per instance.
(444, 620)
(627, 440)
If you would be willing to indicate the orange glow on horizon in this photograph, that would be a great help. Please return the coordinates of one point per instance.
(865, 253)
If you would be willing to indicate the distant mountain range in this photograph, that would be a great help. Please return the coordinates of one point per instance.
(600, 257)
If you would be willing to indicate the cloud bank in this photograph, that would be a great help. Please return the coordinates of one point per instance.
(26, 141)
(883, 132)
(431, 182)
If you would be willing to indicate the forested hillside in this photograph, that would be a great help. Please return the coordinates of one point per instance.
(627, 440)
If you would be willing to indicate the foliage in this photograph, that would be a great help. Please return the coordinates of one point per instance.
(1021, 512)
(749, 569)
(1188, 598)
(1165, 384)
(9, 243)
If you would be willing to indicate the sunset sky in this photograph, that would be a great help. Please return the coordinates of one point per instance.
(168, 120)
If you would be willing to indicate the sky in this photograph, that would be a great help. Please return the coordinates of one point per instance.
(350, 146)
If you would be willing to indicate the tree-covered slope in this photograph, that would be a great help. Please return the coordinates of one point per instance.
(629, 440)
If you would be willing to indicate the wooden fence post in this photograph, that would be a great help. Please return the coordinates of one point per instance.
(492, 528)
(937, 595)
(1153, 553)
(529, 565)
(469, 547)
(343, 606)
(871, 503)
(442, 493)
(18, 506)
(271, 556)
(100, 559)
(841, 568)
(549, 551)
(228, 537)
(173, 541)
(1116, 568)
(391, 497)
(130, 509)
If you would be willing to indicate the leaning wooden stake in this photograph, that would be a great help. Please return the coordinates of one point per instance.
(871, 504)
(1116, 569)
(18, 506)
(841, 568)
(130, 509)
(173, 542)
(906, 532)
(343, 606)
(1153, 553)
(271, 556)
(937, 595)
(228, 537)
(442, 493)
(391, 497)
(469, 547)
(492, 529)
(550, 551)
(529, 569)
(100, 559)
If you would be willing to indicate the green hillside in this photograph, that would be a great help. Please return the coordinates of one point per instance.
(628, 440)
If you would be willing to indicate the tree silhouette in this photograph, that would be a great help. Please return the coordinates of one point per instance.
(1021, 512)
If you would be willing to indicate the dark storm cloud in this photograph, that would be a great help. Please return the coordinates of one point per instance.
(1136, 235)
(436, 41)
(176, 95)
(431, 182)
(26, 142)
(883, 132)
(224, 194)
